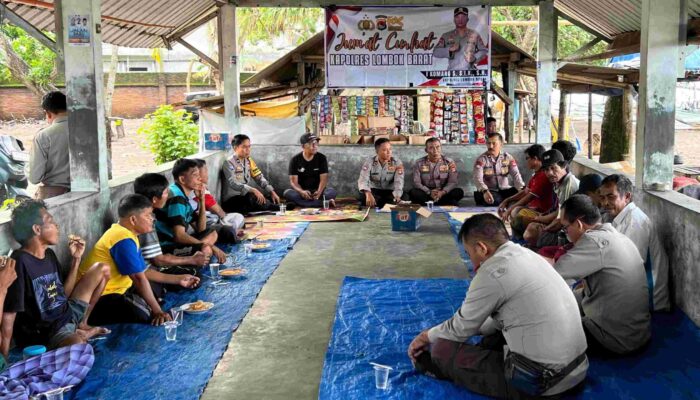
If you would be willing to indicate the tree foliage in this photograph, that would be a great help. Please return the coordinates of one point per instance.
(170, 133)
(264, 24)
(26, 60)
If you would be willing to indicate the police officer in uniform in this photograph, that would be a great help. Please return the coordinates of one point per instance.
(239, 171)
(463, 47)
(435, 177)
(491, 172)
(381, 177)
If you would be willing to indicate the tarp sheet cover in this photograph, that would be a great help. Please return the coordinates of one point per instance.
(377, 319)
(136, 363)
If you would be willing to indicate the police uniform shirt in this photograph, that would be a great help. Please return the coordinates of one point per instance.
(239, 172)
(615, 296)
(440, 175)
(388, 176)
(469, 45)
(492, 173)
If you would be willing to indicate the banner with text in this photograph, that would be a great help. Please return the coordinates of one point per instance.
(406, 47)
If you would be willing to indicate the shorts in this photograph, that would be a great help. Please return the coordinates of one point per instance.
(117, 308)
(77, 309)
(181, 250)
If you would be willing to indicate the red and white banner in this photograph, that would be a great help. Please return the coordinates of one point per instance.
(406, 47)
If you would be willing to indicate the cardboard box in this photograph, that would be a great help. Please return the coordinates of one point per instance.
(333, 139)
(217, 141)
(418, 139)
(381, 122)
(407, 217)
(398, 139)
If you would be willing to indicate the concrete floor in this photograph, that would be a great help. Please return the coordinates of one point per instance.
(278, 351)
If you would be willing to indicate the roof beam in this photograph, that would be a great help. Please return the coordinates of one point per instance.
(328, 3)
(583, 49)
(584, 26)
(27, 27)
(203, 57)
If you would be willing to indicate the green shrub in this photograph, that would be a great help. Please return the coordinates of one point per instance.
(171, 134)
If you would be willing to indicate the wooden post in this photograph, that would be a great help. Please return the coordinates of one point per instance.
(228, 61)
(521, 118)
(590, 124)
(561, 124)
(627, 101)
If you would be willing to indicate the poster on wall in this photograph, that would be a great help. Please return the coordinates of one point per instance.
(406, 47)
(78, 30)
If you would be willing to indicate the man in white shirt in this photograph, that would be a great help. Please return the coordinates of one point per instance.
(515, 299)
(616, 197)
(614, 298)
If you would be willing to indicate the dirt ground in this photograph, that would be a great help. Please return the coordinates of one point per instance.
(128, 154)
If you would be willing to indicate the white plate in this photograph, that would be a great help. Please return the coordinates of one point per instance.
(185, 308)
(240, 275)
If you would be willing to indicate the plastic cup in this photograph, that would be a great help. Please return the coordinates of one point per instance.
(283, 209)
(261, 223)
(248, 246)
(170, 331)
(214, 271)
(381, 376)
(177, 315)
(326, 204)
(430, 205)
(56, 394)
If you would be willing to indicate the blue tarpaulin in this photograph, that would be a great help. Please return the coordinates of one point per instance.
(377, 319)
(136, 363)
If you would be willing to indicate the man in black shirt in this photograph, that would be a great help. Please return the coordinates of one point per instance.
(49, 304)
(308, 176)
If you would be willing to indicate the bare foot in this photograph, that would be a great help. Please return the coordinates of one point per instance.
(93, 331)
(332, 203)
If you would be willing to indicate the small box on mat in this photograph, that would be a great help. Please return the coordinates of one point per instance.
(217, 141)
(407, 217)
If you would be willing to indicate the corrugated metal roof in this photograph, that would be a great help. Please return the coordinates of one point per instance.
(612, 17)
(607, 17)
(170, 15)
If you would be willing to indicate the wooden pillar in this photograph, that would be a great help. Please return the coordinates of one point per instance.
(84, 90)
(546, 68)
(561, 124)
(590, 124)
(228, 61)
(510, 79)
(657, 95)
(627, 110)
(521, 118)
(58, 22)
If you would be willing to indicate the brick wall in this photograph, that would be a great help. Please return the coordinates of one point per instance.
(132, 101)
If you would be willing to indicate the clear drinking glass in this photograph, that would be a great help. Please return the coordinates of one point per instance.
(283, 209)
(170, 331)
(326, 204)
(248, 246)
(214, 272)
(177, 315)
(430, 205)
(381, 376)
(55, 394)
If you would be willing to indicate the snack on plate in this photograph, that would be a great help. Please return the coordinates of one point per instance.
(232, 272)
(198, 305)
(260, 246)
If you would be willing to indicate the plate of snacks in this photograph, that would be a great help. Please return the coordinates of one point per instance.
(232, 272)
(261, 246)
(198, 307)
(310, 211)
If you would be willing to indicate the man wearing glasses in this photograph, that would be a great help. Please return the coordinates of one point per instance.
(614, 297)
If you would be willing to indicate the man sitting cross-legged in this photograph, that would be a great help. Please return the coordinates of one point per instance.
(614, 299)
(127, 296)
(178, 230)
(165, 269)
(515, 299)
(47, 304)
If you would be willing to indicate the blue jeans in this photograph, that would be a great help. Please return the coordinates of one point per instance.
(293, 196)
